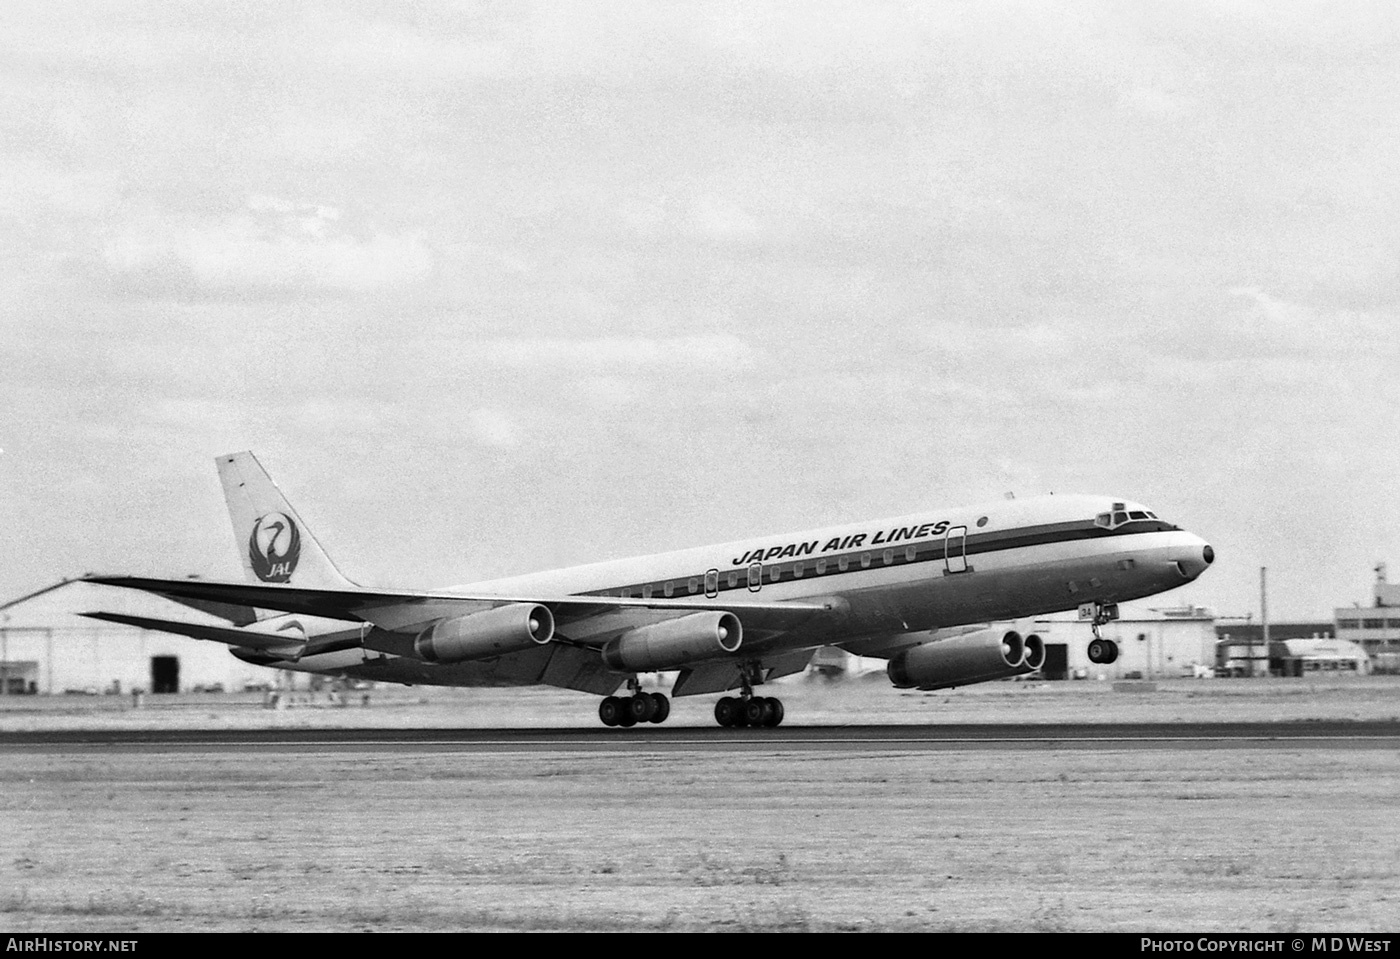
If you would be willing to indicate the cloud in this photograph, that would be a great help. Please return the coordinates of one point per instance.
(271, 244)
(671, 352)
(492, 427)
(1290, 327)
(1151, 102)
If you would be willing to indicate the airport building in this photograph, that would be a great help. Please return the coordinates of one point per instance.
(1167, 643)
(47, 647)
(1241, 649)
(1376, 629)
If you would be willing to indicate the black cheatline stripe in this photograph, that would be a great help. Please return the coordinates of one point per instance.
(928, 551)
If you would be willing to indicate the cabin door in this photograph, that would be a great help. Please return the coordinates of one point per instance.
(955, 550)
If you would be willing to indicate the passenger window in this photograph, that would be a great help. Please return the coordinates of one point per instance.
(843, 563)
(669, 589)
(888, 556)
(775, 573)
(910, 553)
(821, 566)
(646, 592)
(797, 570)
(733, 579)
(755, 576)
(864, 560)
(711, 582)
(693, 585)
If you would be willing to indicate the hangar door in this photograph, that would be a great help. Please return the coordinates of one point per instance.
(165, 674)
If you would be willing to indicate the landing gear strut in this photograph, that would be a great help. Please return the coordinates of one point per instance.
(640, 707)
(748, 709)
(1101, 651)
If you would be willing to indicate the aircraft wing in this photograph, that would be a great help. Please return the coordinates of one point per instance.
(279, 643)
(583, 617)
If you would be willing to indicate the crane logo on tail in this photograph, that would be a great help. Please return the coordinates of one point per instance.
(274, 547)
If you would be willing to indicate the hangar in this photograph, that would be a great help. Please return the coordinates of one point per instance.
(1163, 643)
(47, 647)
(1298, 657)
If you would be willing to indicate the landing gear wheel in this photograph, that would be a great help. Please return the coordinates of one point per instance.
(642, 707)
(727, 712)
(663, 707)
(774, 715)
(756, 710)
(610, 711)
(1103, 651)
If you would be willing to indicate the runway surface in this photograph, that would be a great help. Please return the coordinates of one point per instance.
(890, 738)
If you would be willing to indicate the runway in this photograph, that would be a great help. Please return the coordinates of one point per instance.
(1245, 826)
(843, 738)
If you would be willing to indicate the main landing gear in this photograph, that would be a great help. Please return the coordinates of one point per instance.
(753, 711)
(748, 709)
(1101, 651)
(640, 707)
(730, 712)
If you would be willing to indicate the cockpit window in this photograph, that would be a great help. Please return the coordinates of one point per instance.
(1120, 515)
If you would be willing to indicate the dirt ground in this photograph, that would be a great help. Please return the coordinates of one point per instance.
(1160, 839)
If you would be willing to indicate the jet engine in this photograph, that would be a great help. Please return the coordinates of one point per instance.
(963, 660)
(491, 632)
(674, 642)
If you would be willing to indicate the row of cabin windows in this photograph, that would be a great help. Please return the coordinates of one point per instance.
(754, 576)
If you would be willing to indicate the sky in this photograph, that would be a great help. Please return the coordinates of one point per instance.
(498, 287)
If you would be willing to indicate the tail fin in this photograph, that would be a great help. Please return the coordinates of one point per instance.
(272, 540)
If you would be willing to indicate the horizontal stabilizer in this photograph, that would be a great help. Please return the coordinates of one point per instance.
(277, 643)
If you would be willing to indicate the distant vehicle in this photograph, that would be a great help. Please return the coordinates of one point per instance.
(726, 617)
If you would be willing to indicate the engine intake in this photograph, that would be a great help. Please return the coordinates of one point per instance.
(674, 642)
(963, 660)
(491, 632)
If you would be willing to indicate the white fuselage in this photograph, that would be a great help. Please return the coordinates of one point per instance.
(996, 561)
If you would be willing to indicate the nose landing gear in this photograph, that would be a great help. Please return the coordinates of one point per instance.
(1101, 651)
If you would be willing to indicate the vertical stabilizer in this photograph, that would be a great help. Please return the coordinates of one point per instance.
(273, 542)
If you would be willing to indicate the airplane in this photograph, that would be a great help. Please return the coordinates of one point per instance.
(729, 617)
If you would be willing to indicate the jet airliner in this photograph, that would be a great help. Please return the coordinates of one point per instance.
(723, 618)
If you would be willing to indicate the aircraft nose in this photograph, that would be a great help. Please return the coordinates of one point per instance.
(1195, 558)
